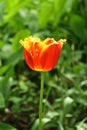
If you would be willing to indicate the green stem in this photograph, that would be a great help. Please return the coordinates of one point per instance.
(40, 104)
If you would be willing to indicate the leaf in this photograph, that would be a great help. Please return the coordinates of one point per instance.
(3, 69)
(2, 9)
(59, 9)
(83, 98)
(35, 125)
(1, 43)
(6, 82)
(69, 5)
(2, 101)
(13, 8)
(47, 121)
(4, 126)
(45, 13)
(15, 57)
(77, 24)
(81, 125)
(20, 35)
(67, 104)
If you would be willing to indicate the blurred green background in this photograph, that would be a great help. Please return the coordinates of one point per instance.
(65, 93)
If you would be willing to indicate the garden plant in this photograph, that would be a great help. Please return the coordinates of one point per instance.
(64, 102)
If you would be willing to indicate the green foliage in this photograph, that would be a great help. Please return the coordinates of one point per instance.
(65, 94)
(20, 35)
(2, 101)
(4, 126)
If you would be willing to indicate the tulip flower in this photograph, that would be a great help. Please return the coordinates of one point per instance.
(42, 55)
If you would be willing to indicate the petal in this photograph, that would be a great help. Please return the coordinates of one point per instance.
(36, 49)
(28, 59)
(49, 41)
(28, 42)
(50, 56)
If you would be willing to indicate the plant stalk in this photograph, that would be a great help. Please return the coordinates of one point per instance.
(41, 102)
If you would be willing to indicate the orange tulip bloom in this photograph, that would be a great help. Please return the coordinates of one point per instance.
(42, 55)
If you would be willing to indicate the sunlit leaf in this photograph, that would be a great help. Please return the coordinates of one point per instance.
(4, 126)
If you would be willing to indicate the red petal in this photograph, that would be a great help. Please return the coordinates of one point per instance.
(50, 56)
(36, 49)
(29, 59)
